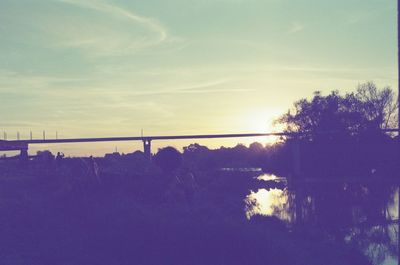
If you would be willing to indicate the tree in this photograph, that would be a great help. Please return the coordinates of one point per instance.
(379, 106)
(342, 134)
(366, 111)
(256, 148)
(168, 159)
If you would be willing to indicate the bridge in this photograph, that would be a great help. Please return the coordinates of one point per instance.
(23, 145)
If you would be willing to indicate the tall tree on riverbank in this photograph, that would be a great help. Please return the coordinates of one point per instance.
(366, 111)
(342, 134)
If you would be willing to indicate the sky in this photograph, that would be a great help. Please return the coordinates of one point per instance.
(94, 68)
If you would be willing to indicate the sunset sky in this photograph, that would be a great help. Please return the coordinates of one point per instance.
(89, 68)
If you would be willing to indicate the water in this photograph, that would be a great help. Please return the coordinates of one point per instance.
(362, 214)
(245, 169)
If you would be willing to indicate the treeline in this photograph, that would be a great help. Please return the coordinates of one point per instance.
(331, 136)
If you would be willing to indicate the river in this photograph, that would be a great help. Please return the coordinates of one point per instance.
(361, 213)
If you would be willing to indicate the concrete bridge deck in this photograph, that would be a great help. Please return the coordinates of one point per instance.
(23, 145)
(139, 138)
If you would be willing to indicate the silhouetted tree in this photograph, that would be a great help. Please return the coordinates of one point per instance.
(378, 106)
(168, 159)
(368, 110)
(199, 157)
(256, 147)
(342, 134)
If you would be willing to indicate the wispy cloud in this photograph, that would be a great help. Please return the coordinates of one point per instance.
(296, 27)
(106, 40)
(28, 84)
(205, 87)
(118, 11)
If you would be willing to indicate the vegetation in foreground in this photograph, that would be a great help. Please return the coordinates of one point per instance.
(182, 209)
(65, 216)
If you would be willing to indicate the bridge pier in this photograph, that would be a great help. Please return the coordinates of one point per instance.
(23, 156)
(147, 148)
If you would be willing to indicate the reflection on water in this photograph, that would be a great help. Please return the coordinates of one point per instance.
(243, 169)
(268, 202)
(271, 177)
(393, 206)
(271, 200)
(362, 214)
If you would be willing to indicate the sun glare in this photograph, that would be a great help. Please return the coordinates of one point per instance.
(261, 121)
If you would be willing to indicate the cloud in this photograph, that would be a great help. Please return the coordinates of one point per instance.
(29, 84)
(296, 27)
(118, 11)
(102, 37)
(200, 87)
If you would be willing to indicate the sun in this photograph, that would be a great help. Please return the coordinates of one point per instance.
(261, 121)
(257, 123)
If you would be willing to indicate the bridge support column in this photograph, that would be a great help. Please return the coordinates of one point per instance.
(23, 156)
(147, 148)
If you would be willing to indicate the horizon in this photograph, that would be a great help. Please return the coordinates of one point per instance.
(193, 132)
(113, 68)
